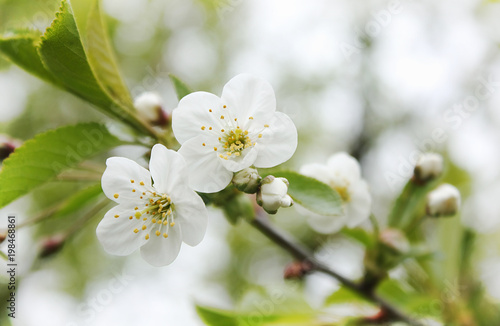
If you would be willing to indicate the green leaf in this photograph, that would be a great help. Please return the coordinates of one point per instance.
(314, 195)
(20, 48)
(360, 235)
(62, 53)
(42, 158)
(181, 89)
(79, 200)
(102, 58)
(344, 295)
(218, 317)
(405, 297)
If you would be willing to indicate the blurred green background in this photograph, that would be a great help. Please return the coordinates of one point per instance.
(380, 80)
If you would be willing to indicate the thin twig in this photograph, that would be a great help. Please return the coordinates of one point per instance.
(298, 251)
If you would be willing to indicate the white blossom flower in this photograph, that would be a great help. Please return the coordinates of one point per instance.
(342, 173)
(429, 167)
(223, 135)
(273, 194)
(155, 217)
(443, 201)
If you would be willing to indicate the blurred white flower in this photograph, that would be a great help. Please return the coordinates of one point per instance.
(223, 135)
(273, 194)
(156, 217)
(342, 172)
(443, 201)
(480, 211)
(429, 167)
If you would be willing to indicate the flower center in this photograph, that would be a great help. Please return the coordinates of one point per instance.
(234, 142)
(344, 193)
(158, 212)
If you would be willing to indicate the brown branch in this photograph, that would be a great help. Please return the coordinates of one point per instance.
(299, 252)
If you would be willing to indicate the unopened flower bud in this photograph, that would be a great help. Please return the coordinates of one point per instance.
(7, 146)
(273, 194)
(297, 270)
(428, 167)
(52, 245)
(394, 239)
(150, 107)
(443, 201)
(247, 180)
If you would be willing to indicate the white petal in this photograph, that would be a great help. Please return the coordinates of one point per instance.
(206, 172)
(359, 208)
(326, 224)
(168, 169)
(278, 142)
(248, 96)
(193, 113)
(117, 234)
(345, 165)
(191, 213)
(235, 164)
(160, 251)
(116, 180)
(317, 171)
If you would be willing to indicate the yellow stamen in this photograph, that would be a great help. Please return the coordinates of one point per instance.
(136, 230)
(158, 233)
(117, 216)
(144, 227)
(165, 235)
(202, 127)
(116, 195)
(141, 183)
(138, 214)
(147, 237)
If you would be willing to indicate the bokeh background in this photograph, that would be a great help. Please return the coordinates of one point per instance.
(383, 80)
